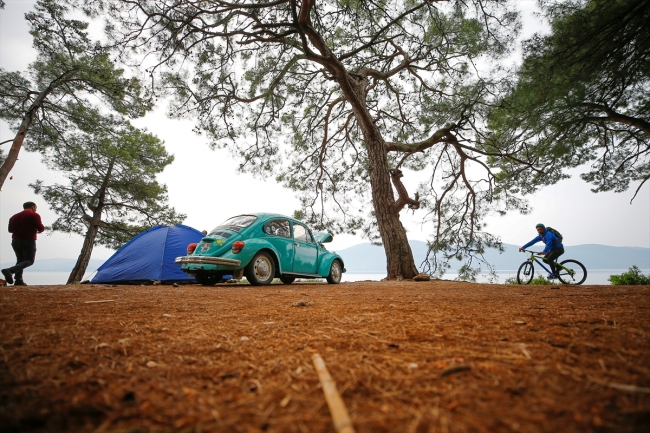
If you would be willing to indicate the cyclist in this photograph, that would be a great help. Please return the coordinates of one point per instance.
(552, 250)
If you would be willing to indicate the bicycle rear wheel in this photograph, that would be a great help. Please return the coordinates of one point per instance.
(577, 274)
(525, 272)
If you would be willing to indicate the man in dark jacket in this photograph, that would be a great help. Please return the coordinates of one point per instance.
(552, 250)
(23, 226)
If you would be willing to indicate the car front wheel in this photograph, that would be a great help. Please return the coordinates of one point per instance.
(336, 273)
(261, 270)
(287, 279)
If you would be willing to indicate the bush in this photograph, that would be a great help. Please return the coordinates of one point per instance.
(538, 279)
(633, 277)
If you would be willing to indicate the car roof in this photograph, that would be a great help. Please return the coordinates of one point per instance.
(268, 215)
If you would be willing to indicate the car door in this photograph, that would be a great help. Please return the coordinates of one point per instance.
(305, 256)
(278, 233)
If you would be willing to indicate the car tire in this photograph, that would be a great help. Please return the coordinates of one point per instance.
(286, 279)
(336, 272)
(261, 270)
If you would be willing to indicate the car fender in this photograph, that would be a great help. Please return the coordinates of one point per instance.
(326, 263)
(251, 248)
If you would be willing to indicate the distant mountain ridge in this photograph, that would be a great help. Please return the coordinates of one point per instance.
(367, 258)
(56, 265)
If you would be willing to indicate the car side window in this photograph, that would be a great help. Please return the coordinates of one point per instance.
(278, 228)
(301, 233)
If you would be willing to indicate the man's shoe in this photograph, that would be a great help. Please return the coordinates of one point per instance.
(20, 283)
(8, 276)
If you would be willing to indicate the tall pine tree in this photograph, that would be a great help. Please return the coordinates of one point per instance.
(112, 193)
(72, 73)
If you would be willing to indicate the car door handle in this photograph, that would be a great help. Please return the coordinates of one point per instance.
(296, 244)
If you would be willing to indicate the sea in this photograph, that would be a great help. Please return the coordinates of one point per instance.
(594, 277)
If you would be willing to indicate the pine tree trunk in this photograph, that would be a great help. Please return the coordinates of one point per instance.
(399, 257)
(89, 241)
(17, 143)
(84, 256)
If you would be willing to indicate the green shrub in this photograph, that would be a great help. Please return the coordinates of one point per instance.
(633, 277)
(538, 279)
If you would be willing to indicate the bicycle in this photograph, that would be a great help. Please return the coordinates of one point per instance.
(569, 271)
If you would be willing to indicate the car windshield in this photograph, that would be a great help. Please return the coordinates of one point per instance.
(237, 223)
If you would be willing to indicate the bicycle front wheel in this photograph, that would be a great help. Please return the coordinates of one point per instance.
(576, 274)
(525, 273)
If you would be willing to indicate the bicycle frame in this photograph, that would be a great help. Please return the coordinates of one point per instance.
(536, 256)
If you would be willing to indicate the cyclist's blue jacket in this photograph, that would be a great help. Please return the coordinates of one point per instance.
(551, 241)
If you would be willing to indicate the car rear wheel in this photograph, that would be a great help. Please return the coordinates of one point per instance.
(287, 279)
(336, 273)
(261, 270)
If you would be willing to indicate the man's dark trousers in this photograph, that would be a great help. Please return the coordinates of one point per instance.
(25, 255)
(551, 257)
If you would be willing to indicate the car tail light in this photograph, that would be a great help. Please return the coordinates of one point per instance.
(237, 247)
(191, 248)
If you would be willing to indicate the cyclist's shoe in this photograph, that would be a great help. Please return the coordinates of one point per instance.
(551, 276)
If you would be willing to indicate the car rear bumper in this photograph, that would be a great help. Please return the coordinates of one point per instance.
(204, 260)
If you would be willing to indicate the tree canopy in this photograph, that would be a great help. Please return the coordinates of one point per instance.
(581, 96)
(72, 74)
(112, 193)
(339, 100)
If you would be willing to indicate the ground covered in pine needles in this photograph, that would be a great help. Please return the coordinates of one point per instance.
(433, 356)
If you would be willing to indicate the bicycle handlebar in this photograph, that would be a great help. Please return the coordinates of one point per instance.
(531, 252)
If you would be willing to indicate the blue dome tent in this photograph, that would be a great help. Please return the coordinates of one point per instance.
(150, 257)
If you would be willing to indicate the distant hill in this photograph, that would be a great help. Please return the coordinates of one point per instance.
(367, 258)
(56, 265)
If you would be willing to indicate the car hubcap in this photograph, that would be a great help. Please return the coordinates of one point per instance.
(336, 272)
(262, 268)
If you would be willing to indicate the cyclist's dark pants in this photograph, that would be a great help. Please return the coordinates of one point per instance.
(551, 258)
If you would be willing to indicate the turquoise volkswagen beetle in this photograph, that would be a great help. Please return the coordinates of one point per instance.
(262, 246)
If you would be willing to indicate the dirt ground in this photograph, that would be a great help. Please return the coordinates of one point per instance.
(406, 357)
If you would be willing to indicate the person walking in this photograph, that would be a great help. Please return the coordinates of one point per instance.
(23, 226)
(552, 250)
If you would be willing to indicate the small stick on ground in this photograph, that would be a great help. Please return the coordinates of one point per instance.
(97, 302)
(340, 416)
(620, 386)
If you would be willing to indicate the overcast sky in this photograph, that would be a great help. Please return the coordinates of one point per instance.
(205, 185)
